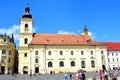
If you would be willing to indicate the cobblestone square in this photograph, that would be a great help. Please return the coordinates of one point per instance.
(44, 77)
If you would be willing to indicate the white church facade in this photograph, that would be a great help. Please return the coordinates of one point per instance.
(43, 53)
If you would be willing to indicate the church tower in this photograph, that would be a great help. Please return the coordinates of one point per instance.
(26, 32)
(85, 31)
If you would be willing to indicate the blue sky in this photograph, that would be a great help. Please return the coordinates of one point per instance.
(102, 17)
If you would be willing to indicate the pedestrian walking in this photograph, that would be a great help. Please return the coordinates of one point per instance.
(77, 77)
(114, 77)
(100, 74)
(80, 76)
(70, 76)
(83, 76)
(105, 75)
(66, 77)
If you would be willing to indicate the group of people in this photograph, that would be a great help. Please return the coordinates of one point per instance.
(69, 76)
(80, 76)
(104, 75)
(113, 75)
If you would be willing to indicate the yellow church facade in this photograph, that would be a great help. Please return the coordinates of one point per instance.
(46, 53)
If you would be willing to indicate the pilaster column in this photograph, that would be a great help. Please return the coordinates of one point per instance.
(31, 52)
(6, 67)
(44, 60)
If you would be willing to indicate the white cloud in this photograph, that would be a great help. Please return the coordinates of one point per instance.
(92, 34)
(14, 29)
(34, 29)
(64, 32)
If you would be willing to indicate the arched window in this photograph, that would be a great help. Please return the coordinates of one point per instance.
(72, 63)
(82, 64)
(61, 64)
(92, 64)
(25, 54)
(25, 67)
(26, 26)
(25, 70)
(36, 60)
(50, 64)
(25, 40)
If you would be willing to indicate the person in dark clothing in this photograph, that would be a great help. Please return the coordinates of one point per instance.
(50, 72)
(70, 76)
(83, 76)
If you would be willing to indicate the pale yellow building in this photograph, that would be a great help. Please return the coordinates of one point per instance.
(43, 53)
(7, 54)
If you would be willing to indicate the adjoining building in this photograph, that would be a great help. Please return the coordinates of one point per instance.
(45, 53)
(113, 53)
(8, 54)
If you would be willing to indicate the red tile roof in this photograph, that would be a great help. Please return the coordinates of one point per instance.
(112, 46)
(62, 39)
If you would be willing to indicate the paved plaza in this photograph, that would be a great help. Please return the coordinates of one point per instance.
(89, 76)
(37, 77)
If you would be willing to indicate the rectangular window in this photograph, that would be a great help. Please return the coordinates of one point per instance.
(3, 59)
(10, 52)
(113, 59)
(49, 52)
(36, 60)
(117, 59)
(3, 51)
(116, 54)
(61, 52)
(72, 53)
(112, 54)
(108, 54)
(36, 52)
(91, 52)
(82, 53)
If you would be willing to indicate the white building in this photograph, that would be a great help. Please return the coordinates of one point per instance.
(42, 53)
(113, 52)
